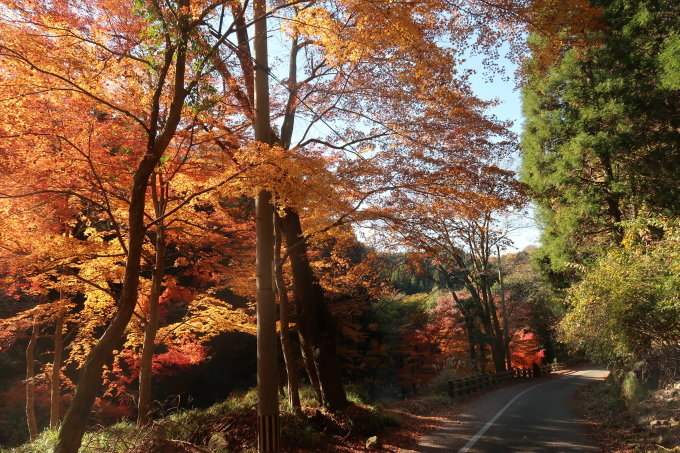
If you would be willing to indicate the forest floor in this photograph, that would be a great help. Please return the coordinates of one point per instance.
(615, 428)
(416, 418)
(398, 425)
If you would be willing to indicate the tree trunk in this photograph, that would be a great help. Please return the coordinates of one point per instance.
(470, 327)
(75, 420)
(504, 313)
(55, 385)
(307, 351)
(30, 384)
(498, 353)
(495, 341)
(160, 134)
(316, 326)
(150, 331)
(286, 347)
(482, 358)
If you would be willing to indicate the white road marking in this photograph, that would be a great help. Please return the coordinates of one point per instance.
(490, 423)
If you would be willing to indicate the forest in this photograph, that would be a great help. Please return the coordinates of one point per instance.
(135, 168)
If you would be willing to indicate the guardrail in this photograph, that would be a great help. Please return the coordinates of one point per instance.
(465, 386)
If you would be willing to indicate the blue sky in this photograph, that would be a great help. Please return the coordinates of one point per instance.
(526, 232)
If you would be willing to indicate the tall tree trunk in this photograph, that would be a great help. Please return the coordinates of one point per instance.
(55, 384)
(30, 383)
(504, 313)
(498, 353)
(75, 420)
(316, 326)
(307, 351)
(495, 342)
(151, 330)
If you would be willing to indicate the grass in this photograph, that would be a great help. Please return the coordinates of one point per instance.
(44, 443)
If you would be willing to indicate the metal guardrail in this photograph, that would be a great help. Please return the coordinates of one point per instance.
(465, 386)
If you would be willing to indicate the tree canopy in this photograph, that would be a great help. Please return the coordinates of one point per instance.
(129, 168)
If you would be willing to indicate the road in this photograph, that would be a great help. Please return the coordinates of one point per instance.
(534, 416)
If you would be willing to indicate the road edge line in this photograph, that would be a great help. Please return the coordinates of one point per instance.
(490, 423)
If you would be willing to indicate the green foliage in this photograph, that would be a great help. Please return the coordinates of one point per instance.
(608, 395)
(116, 438)
(439, 385)
(632, 389)
(405, 280)
(525, 284)
(301, 432)
(669, 60)
(392, 311)
(628, 305)
(597, 128)
(357, 394)
(374, 420)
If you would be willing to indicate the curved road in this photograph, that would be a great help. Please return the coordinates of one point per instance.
(534, 416)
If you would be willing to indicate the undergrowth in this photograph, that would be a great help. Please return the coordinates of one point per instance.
(606, 407)
(237, 418)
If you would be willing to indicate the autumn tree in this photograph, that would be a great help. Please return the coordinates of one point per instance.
(462, 237)
(333, 87)
(532, 295)
(102, 95)
(42, 383)
(144, 66)
(372, 81)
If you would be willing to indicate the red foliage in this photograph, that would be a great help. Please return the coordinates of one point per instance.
(179, 357)
(438, 340)
(453, 337)
(419, 347)
(120, 379)
(526, 350)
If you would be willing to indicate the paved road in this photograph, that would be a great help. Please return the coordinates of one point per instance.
(534, 416)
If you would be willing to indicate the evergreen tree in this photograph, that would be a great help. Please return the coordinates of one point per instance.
(601, 141)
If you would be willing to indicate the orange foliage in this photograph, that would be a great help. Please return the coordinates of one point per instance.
(526, 350)
(96, 97)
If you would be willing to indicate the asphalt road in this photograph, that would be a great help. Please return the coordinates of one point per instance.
(534, 416)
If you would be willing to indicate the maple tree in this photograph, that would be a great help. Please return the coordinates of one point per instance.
(461, 237)
(350, 49)
(143, 85)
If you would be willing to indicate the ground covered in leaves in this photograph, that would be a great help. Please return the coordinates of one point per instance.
(406, 421)
(651, 426)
